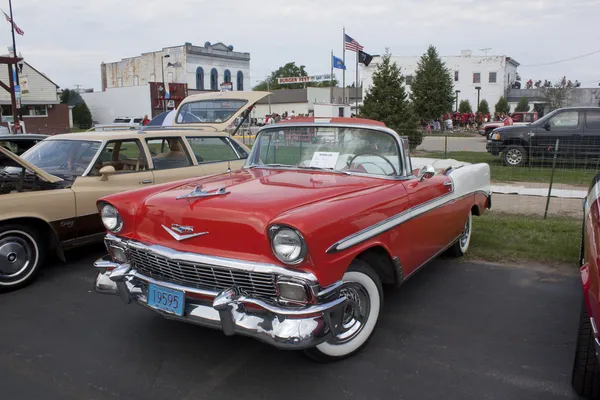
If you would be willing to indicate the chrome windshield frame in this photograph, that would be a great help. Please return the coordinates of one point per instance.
(403, 174)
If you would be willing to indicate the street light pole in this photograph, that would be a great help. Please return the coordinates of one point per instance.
(268, 90)
(478, 88)
(162, 68)
(456, 92)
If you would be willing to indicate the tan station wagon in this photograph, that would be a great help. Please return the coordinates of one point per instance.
(48, 194)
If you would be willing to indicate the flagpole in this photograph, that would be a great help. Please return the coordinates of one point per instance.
(331, 90)
(356, 85)
(12, 27)
(343, 71)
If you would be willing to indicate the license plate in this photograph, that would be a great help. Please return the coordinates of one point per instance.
(165, 299)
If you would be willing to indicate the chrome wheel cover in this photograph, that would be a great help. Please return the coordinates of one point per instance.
(356, 312)
(16, 255)
(464, 238)
(514, 156)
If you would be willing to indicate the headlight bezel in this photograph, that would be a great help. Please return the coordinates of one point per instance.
(118, 227)
(274, 230)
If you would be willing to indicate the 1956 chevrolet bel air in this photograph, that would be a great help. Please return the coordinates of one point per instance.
(294, 248)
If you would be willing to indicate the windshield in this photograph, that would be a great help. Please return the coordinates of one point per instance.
(208, 111)
(348, 149)
(62, 158)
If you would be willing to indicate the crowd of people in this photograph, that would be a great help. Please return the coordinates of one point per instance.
(565, 83)
(450, 121)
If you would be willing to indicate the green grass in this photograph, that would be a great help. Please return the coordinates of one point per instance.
(540, 170)
(502, 237)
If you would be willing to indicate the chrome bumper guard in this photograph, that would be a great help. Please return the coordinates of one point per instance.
(281, 326)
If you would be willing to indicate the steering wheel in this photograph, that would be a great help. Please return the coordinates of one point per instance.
(377, 155)
(79, 166)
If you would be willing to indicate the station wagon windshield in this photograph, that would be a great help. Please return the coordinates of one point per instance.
(344, 149)
(208, 111)
(62, 158)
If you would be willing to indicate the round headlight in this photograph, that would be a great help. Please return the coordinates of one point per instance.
(111, 218)
(288, 246)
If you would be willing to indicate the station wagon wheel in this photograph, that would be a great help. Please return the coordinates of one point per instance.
(514, 156)
(21, 254)
(364, 292)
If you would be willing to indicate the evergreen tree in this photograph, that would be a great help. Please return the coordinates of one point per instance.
(464, 107)
(484, 107)
(502, 106)
(432, 87)
(523, 105)
(387, 101)
(82, 117)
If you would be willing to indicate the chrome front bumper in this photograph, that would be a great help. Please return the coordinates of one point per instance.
(285, 327)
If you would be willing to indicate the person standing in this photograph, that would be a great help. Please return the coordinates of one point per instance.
(146, 120)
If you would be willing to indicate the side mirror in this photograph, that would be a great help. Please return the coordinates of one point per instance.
(426, 172)
(547, 126)
(106, 171)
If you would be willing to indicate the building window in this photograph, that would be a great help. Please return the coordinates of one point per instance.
(136, 80)
(199, 78)
(409, 79)
(37, 111)
(476, 77)
(214, 79)
(170, 77)
(240, 80)
(492, 77)
(227, 76)
(455, 76)
(152, 78)
(119, 82)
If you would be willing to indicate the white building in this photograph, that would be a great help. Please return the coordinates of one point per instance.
(493, 74)
(201, 68)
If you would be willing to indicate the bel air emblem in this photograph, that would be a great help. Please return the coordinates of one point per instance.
(179, 232)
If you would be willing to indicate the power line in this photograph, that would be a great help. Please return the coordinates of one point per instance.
(560, 61)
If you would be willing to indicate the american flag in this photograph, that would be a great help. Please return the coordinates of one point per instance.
(17, 29)
(351, 44)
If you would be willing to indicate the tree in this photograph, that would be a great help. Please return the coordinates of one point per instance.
(523, 105)
(484, 107)
(290, 70)
(432, 86)
(82, 117)
(387, 101)
(464, 107)
(556, 96)
(71, 97)
(502, 106)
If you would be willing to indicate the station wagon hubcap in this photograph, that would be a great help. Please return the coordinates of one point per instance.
(514, 157)
(355, 314)
(15, 256)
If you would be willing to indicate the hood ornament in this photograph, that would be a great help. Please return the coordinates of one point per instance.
(179, 232)
(198, 192)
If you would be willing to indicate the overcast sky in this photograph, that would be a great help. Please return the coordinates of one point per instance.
(68, 39)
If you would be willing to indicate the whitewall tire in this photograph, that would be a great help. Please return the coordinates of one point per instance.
(21, 254)
(363, 289)
(462, 244)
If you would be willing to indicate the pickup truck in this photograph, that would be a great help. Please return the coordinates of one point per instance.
(519, 118)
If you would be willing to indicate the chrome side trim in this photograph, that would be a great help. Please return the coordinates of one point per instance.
(396, 220)
(216, 261)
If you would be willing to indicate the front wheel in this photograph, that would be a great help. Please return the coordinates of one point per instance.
(514, 156)
(363, 289)
(21, 254)
(586, 372)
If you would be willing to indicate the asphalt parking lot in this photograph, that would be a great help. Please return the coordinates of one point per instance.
(457, 330)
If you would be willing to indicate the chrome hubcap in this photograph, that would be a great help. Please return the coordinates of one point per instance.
(465, 235)
(15, 256)
(355, 314)
(514, 156)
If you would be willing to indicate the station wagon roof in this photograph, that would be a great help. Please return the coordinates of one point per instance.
(129, 134)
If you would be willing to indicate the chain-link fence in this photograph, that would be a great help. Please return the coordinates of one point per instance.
(547, 175)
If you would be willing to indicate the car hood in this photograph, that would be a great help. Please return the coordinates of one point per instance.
(250, 97)
(9, 159)
(235, 224)
(513, 129)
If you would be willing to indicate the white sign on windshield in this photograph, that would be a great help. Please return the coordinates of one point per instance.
(324, 159)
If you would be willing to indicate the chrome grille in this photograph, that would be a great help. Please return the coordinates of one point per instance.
(201, 276)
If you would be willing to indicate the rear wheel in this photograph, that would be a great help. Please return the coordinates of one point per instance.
(365, 297)
(21, 254)
(586, 372)
(462, 244)
(514, 156)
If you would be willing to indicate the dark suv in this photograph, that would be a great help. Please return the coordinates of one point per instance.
(577, 129)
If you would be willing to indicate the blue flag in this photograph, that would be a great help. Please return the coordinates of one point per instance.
(338, 63)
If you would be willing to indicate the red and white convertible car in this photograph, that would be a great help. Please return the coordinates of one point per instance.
(294, 248)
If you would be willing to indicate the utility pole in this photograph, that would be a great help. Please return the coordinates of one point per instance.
(77, 88)
(14, 43)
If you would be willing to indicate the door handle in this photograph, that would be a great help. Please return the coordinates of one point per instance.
(450, 183)
(146, 181)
